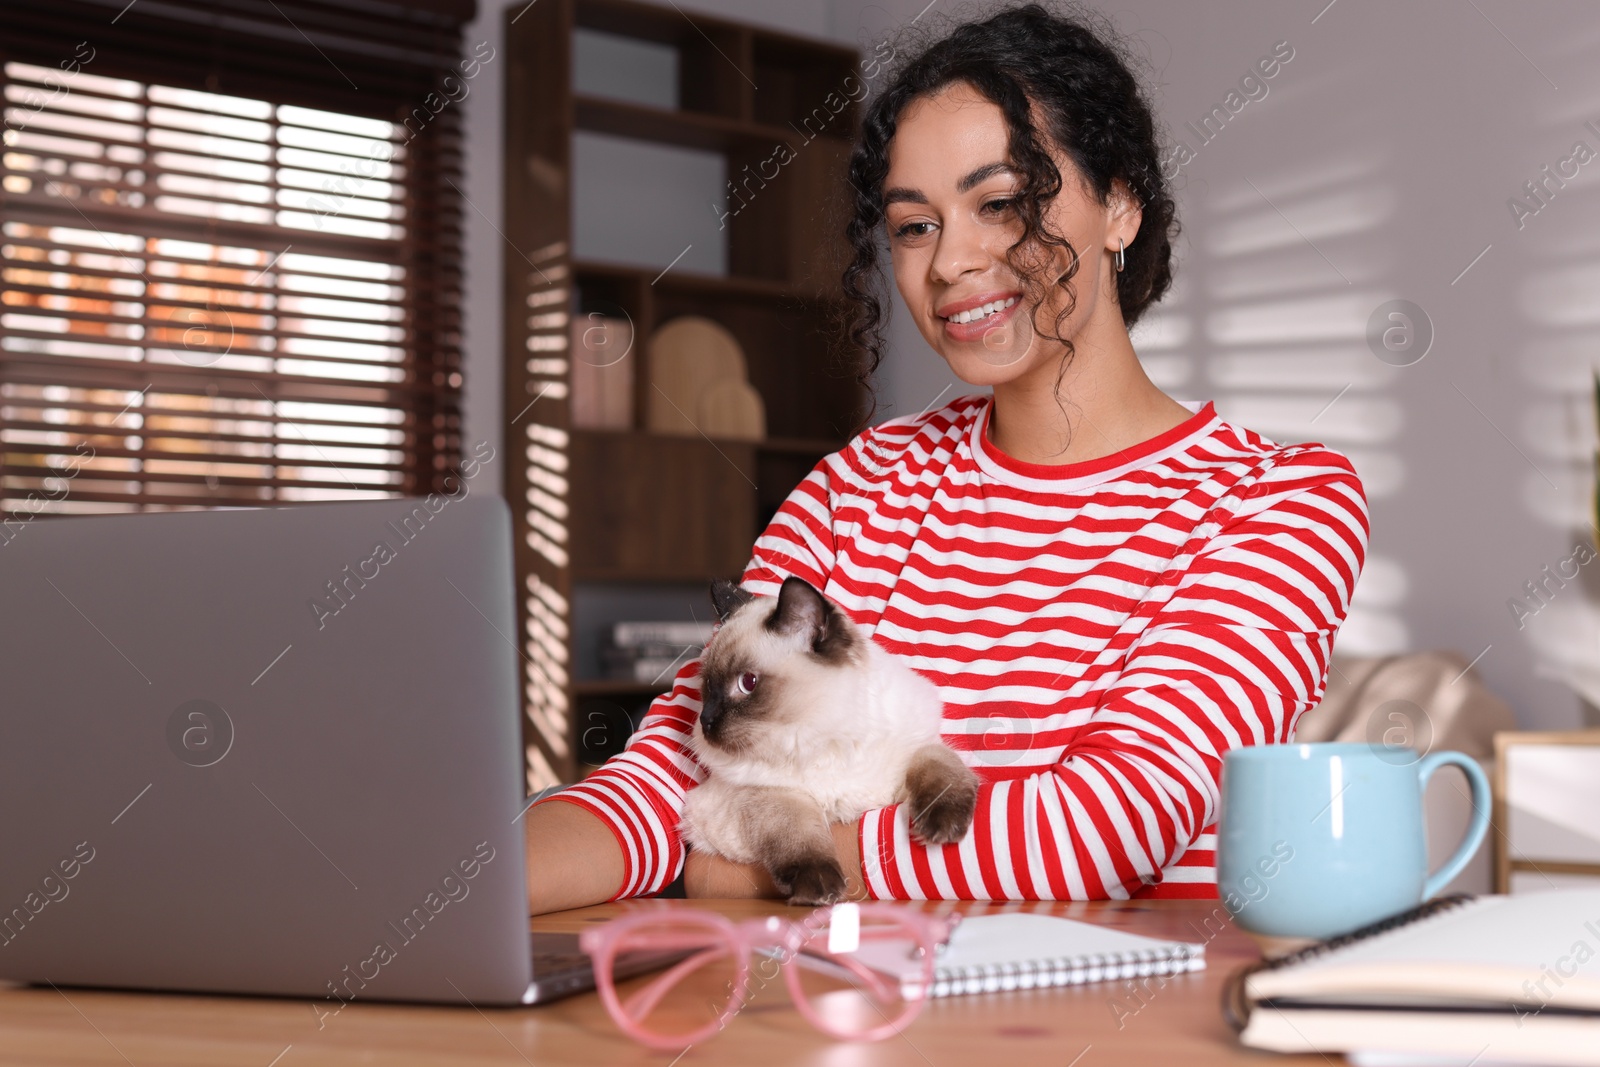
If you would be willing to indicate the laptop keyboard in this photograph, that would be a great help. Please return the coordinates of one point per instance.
(560, 970)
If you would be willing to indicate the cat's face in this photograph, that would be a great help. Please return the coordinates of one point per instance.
(768, 653)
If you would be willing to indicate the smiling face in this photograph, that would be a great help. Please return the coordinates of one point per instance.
(951, 221)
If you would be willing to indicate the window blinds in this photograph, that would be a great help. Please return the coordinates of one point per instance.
(229, 270)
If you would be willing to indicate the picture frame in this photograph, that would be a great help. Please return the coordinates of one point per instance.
(1545, 779)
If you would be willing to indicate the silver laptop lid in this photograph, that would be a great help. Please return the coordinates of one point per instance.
(265, 751)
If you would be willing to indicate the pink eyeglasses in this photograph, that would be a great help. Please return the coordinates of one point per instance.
(857, 972)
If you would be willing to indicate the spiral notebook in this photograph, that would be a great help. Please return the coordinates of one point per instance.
(1487, 979)
(1018, 950)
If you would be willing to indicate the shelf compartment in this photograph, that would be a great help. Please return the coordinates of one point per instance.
(646, 510)
(619, 687)
(714, 56)
(793, 356)
(656, 507)
(688, 282)
(684, 129)
(813, 87)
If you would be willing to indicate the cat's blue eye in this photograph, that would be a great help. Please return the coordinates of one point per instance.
(747, 682)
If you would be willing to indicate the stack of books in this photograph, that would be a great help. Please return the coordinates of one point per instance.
(651, 652)
(1458, 980)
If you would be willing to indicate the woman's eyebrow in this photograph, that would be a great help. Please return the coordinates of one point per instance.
(988, 170)
(901, 195)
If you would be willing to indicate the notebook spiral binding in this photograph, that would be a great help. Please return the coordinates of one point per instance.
(1236, 1006)
(1045, 973)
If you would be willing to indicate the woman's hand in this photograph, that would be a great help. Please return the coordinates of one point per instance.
(710, 876)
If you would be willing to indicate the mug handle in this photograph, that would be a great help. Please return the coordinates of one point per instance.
(1480, 815)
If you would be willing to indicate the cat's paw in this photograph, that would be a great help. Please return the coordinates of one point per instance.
(946, 817)
(811, 882)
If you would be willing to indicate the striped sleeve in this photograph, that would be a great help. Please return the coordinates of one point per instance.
(639, 792)
(1232, 650)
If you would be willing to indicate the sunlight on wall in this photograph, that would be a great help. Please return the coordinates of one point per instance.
(1281, 345)
(1558, 301)
(1163, 339)
(1559, 362)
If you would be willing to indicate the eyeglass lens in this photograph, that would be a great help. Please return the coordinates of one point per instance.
(852, 974)
(693, 993)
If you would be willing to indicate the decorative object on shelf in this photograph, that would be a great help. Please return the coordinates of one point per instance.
(602, 373)
(693, 358)
(650, 651)
(733, 409)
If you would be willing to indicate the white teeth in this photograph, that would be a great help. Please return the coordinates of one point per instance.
(974, 314)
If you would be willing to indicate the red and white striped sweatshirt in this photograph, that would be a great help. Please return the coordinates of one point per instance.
(1102, 632)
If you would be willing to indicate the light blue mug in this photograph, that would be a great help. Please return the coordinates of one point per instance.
(1317, 840)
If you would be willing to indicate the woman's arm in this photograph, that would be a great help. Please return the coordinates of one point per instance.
(615, 834)
(574, 861)
(573, 858)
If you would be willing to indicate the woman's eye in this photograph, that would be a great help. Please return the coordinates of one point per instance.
(999, 205)
(914, 229)
(747, 682)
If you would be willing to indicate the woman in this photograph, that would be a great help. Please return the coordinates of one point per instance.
(1110, 588)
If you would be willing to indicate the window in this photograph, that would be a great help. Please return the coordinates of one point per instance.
(213, 298)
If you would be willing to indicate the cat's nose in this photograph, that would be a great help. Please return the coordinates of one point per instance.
(711, 712)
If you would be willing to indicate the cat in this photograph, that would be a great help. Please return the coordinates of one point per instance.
(805, 721)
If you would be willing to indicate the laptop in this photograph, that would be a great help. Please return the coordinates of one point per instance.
(271, 751)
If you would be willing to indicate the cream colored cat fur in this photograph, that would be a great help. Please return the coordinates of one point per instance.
(806, 721)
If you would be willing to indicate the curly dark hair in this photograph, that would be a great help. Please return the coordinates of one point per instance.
(1096, 113)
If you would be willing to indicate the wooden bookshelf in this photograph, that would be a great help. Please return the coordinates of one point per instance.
(630, 505)
(617, 687)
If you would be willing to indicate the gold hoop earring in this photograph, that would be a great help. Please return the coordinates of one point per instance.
(1122, 260)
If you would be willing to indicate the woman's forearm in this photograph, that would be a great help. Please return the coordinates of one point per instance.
(573, 858)
(574, 861)
(710, 876)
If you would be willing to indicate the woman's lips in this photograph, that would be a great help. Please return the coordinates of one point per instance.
(975, 331)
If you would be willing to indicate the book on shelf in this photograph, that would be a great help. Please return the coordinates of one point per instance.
(649, 650)
(646, 669)
(679, 634)
(650, 653)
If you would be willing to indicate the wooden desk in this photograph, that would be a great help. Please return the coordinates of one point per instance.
(1088, 1026)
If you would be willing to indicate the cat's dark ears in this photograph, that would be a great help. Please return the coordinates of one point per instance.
(727, 598)
(801, 610)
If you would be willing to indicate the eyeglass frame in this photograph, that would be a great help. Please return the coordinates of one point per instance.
(743, 939)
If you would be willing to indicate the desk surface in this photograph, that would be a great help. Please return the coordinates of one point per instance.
(1076, 1027)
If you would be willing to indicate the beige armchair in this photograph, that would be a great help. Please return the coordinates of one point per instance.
(1428, 701)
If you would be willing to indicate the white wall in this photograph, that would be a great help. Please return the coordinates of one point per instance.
(1378, 166)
